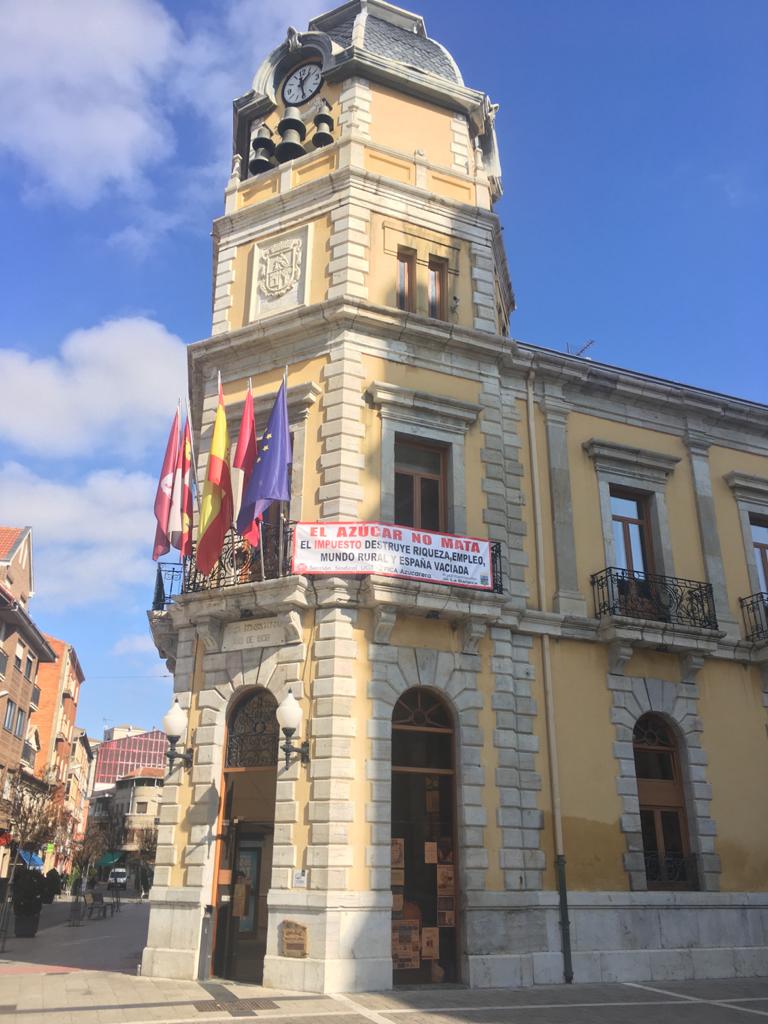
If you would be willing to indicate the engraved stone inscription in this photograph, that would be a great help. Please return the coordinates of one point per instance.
(294, 936)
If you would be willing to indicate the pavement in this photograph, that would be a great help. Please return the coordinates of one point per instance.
(87, 975)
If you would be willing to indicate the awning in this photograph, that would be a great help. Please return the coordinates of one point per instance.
(31, 859)
(107, 859)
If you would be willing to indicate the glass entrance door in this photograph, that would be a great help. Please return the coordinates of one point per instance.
(243, 907)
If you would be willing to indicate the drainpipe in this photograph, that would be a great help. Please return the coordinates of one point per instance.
(549, 698)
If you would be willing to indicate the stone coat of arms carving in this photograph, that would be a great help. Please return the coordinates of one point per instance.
(280, 267)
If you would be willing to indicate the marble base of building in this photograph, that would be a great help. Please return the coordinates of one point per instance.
(510, 940)
(615, 936)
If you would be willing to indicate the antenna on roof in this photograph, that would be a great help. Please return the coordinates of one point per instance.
(580, 351)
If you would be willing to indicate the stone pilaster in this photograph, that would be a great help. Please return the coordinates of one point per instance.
(341, 460)
(349, 243)
(698, 449)
(222, 289)
(355, 104)
(460, 146)
(567, 598)
(332, 767)
(483, 287)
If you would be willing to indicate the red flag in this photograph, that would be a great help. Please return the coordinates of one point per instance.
(164, 491)
(243, 463)
(180, 521)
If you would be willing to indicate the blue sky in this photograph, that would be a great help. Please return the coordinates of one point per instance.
(634, 151)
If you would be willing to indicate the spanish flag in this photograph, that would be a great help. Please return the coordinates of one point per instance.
(216, 507)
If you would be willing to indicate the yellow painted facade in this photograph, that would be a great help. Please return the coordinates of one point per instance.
(572, 648)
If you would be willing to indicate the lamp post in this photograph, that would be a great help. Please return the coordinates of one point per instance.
(175, 726)
(289, 717)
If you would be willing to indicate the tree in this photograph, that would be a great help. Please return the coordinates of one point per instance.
(104, 833)
(33, 810)
(34, 815)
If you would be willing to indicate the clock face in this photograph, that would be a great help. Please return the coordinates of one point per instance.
(302, 84)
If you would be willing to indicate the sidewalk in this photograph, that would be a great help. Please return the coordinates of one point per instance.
(87, 975)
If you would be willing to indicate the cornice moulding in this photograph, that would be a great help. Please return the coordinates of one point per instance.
(414, 406)
(747, 487)
(635, 462)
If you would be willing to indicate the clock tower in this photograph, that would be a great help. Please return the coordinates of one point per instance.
(358, 248)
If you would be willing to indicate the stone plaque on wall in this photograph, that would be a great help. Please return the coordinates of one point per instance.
(294, 939)
(280, 272)
(254, 633)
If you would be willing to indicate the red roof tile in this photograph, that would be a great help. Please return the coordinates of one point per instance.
(9, 535)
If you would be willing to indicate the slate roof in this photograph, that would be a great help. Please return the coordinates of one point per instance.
(396, 43)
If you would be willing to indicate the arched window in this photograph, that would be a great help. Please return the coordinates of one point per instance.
(424, 870)
(254, 734)
(668, 860)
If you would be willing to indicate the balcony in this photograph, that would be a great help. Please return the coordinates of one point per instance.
(28, 755)
(645, 595)
(755, 611)
(34, 701)
(666, 613)
(240, 563)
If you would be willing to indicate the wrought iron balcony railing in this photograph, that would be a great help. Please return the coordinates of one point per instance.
(241, 563)
(671, 871)
(646, 595)
(755, 611)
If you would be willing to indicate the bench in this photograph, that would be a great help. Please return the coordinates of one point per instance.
(96, 905)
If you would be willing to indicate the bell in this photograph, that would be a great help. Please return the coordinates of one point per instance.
(263, 148)
(323, 130)
(292, 131)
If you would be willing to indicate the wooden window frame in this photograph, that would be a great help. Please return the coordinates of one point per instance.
(657, 795)
(406, 280)
(437, 281)
(759, 548)
(644, 522)
(415, 475)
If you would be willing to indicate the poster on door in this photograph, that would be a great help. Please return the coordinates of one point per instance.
(338, 549)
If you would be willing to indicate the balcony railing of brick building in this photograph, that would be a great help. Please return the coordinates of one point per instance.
(755, 611)
(646, 595)
(241, 563)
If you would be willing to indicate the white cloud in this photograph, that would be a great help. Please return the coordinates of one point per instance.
(136, 643)
(111, 387)
(79, 101)
(92, 537)
(90, 92)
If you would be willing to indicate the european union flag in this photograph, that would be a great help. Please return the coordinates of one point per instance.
(270, 480)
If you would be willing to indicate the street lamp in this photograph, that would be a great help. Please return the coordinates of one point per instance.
(289, 716)
(175, 726)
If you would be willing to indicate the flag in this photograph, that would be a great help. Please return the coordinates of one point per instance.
(244, 461)
(270, 479)
(180, 521)
(164, 488)
(216, 506)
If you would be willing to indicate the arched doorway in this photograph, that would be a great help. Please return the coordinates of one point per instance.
(424, 864)
(663, 821)
(247, 831)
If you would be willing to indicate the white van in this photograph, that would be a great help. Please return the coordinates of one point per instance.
(118, 878)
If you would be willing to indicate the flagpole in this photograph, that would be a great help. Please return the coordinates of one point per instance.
(282, 503)
(194, 460)
(261, 528)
